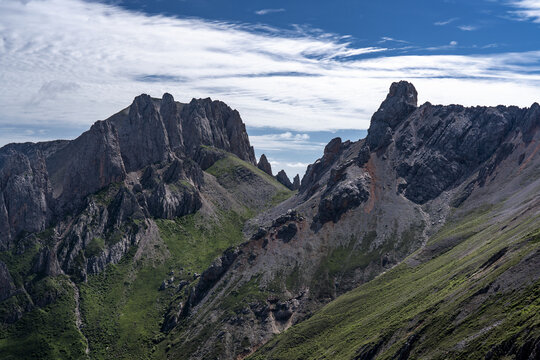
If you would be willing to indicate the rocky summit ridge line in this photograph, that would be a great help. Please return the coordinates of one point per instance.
(41, 182)
(155, 235)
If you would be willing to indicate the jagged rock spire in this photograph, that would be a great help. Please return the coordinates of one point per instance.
(296, 182)
(400, 102)
(284, 179)
(264, 165)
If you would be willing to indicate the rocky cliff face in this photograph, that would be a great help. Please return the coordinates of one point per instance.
(296, 182)
(25, 192)
(74, 207)
(43, 182)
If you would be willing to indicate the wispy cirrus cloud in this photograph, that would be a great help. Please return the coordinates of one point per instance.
(451, 45)
(445, 22)
(269, 11)
(292, 80)
(391, 39)
(527, 10)
(286, 141)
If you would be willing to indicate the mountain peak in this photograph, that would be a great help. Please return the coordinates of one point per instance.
(404, 91)
(167, 98)
(142, 99)
(264, 165)
(400, 102)
(284, 179)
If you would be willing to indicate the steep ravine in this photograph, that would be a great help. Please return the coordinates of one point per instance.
(78, 319)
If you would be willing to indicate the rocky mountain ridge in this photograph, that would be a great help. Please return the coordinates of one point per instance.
(281, 176)
(164, 206)
(75, 207)
(361, 209)
(44, 181)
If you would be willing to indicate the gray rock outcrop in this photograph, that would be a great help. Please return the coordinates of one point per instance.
(296, 182)
(399, 103)
(284, 179)
(264, 165)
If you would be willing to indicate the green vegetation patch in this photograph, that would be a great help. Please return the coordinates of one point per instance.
(248, 292)
(19, 265)
(95, 247)
(123, 307)
(48, 332)
(106, 195)
(230, 164)
(194, 242)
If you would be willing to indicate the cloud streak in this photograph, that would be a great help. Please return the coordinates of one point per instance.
(467, 28)
(268, 11)
(286, 141)
(50, 90)
(527, 10)
(445, 22)
(94, 58)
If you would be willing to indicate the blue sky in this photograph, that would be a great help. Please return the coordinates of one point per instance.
(299, 72)
(478, 26)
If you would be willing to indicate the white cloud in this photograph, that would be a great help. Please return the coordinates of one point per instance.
(390, 39)
(289, 136)
(527, 10)
(286, 141)
(445, 22)
(268, 11)
(467, 27)
(50, 90)
(450, 46)
(299, 165)
(291, 168)
(101, 56)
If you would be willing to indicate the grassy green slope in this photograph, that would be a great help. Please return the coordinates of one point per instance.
(232, 173)
(437, 304)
